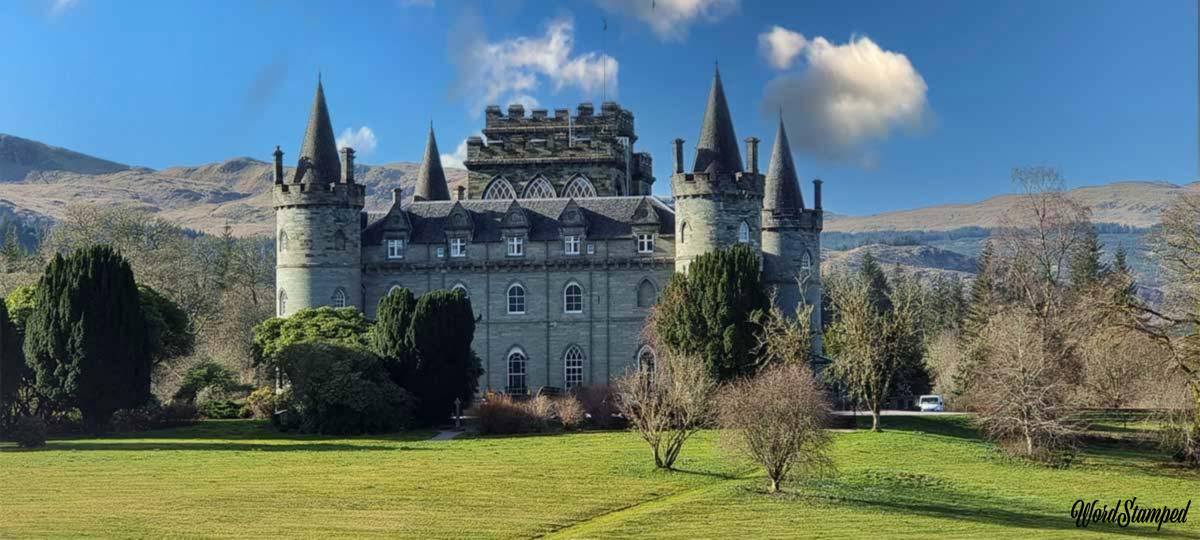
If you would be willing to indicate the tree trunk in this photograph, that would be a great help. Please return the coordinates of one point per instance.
(774, 485)
(875, 418)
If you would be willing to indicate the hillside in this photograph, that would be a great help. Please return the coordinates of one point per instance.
(927, 263)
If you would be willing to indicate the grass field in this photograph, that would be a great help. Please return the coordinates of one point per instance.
(921, 477)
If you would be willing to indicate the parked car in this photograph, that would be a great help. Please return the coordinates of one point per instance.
(931, 403)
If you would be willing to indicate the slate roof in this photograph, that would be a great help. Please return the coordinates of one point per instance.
(717, 149)
(431, 179)
(319, 162)
(782, 188)
(606, 218)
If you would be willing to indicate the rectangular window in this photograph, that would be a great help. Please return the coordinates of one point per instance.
(458, 247)
(645, 243)
(591, 249)
(441, 252)
(395, 248)
(516, 246)
(571, 244)
(574, 372)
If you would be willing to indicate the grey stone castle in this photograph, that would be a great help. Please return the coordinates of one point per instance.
(556, 237)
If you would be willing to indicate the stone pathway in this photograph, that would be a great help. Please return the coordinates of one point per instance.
(447, 435)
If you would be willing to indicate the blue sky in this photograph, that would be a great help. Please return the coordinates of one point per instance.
(894, 104)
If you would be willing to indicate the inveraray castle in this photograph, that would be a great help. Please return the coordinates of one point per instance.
(556, 237)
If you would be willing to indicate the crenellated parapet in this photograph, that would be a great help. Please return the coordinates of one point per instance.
(717, 185)
(331, 194)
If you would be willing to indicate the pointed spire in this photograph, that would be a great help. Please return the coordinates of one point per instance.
(717, 149)
(782, 189)
(319, 161)
(431, 179)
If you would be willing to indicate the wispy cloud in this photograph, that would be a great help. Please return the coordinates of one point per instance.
(59, 7)
(459, 155)
(671, 19)
(515, 70)
(362, 141)
(843, 96)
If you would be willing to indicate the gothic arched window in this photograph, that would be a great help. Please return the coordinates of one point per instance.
(516, 299)
(647, 293)
(573, 367)
(579, 187)
(460, 287)
(539, 188)
(573, 298)
(499, 188)
(683, 232)
(339, 298)
(647, 359)
(743, 233)
(282, 302)
(516, 371)
(806, 262)
(283, 241)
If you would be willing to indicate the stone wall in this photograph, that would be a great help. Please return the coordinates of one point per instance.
(709, 210)
(318, 245)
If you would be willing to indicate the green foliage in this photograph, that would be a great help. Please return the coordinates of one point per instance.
(29, 432)
(219, 409)
(339, 389)
(1086, 268)
(207, 374)
(168, 332)
(86, 338)
(343, 326)
(261, 403)
(443, 326)
(389, 335)
(12, 363)
(984, 293)
(20, 304)
(710, 312)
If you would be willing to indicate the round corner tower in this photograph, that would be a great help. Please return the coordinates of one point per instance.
(317, 223)
(719, 203)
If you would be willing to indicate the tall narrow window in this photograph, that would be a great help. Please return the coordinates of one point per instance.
(647, 293)
(573, 298)
(647, 359)
(516, 246)
(806, 262)
(573, 367)
(516, 372)
(458, 247)
(283, 241)
(339, 240)
(282, 302)
(645, 243)
(571, 244)
(743, 233)
(516, 299)
(683, 232)
(395, 248)
(339, 298)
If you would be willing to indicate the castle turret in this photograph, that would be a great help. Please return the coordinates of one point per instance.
(719, 203)
(791, 237)
(431, 179)
(317, 224)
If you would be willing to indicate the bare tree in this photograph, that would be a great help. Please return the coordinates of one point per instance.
(666, 404)
(1022, 391)
(783, 339)
(778, 419)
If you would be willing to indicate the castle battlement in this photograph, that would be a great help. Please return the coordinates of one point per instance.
(717, 185)
(307, 194)
(807, 220)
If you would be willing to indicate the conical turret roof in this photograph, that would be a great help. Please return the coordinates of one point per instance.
(319, 161)
(717, 149)
(431, 179)
(782, 189)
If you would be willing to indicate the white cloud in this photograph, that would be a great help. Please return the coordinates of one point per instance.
(362, 141)
(846, 96)
(781, 46)
(512, 71)
(58, 7)
(459, 155)
(671, 19)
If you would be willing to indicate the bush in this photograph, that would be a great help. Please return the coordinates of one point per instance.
(29, 432)
(498, 414)
(598, 405)
(569, 412)
(152, 415)
(261, 403)
(343, 390)
(207, 374)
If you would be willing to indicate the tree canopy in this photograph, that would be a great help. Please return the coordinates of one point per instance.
(442, 328)
(344, 326)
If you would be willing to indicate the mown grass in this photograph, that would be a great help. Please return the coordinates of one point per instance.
(920, 477)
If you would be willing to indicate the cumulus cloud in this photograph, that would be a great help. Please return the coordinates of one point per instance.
(514, 70)
(459, 155)
(671, 19)
(58, 7)
(845, 96)
(781, 46)
(362, 141)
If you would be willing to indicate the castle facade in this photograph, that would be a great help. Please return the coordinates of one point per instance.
(556, 237)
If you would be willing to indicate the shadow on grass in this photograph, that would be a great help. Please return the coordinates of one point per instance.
(915, 494)
(160, 445)
(948, 426)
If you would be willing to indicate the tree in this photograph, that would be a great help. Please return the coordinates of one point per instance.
(709, 312)
(668, 404)
(86, 338)
(1086, 268)
(343, 326)
(443, 326)
(784, 340)
(167, 329)
(389, 335)
(12, 365)
(778, 419)
(342, 390)
(20, 304)
(12, 244)
(984, 294)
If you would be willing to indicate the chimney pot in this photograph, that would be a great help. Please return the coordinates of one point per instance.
(678, 156)
(278, 165)
(460, 193)
(752, 153)
(817, 194)
(348, 164)
(397, 195)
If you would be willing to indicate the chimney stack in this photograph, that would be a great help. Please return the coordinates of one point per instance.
(278, 165)
(817, 194)
(460, 193)
(678, 156)
(348, 164)
(397, 195)
(752, 153)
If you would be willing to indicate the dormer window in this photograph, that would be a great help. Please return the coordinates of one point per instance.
(395, 248)
(571, 244)
(458, 247)
(645, 243)
(516, 246)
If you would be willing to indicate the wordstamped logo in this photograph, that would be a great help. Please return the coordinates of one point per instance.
(1125, 512)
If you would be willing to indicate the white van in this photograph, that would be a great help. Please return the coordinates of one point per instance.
(931, 403)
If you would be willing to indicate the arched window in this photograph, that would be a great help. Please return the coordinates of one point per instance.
(339, 240)
(339, 298)
(539, 188)
(517, 383)
(579, 187)
(806, 262)
(516, 299)
(683, 232)
(394, 289)
(573, 367)
(282, 302)
(283, 241)
(499, 188)
(647, 359)
(460, 287)
(647, 293)
(573, 298)
(743, 233)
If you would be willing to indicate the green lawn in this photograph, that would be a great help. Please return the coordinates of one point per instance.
(922, 477)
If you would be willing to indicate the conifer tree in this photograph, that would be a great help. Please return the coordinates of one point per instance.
(86, 338)
(389, 335)
(983, 292)
(443, 326)
(1086, 268)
